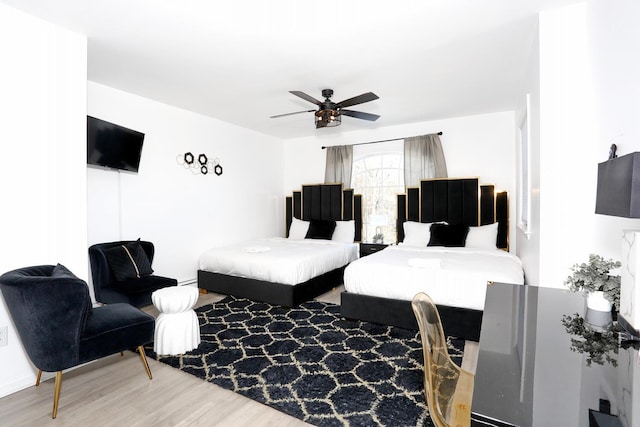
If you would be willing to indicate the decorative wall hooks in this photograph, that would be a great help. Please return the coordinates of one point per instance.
(200, 165)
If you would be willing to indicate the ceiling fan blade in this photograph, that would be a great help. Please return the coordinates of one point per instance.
(290, 114)
(306, 97)
(360, 115)
(360, 99)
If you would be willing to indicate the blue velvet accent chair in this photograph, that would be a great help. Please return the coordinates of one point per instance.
(132, 290)
(52, 312)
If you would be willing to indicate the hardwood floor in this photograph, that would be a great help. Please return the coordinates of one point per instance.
(115, 391)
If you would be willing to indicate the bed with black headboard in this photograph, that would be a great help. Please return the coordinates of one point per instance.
(317, 203)
(379, 287)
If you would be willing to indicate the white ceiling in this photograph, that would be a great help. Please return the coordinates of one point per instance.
(236, 60)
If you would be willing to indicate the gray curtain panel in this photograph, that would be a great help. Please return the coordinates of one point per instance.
(423, 159)
(339, 163)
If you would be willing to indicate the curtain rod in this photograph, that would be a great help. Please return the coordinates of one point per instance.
(384, 140)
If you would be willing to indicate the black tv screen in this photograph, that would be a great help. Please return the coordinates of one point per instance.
(113, 146)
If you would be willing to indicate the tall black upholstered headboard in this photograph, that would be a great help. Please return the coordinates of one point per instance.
(325, 202)
(457, 201)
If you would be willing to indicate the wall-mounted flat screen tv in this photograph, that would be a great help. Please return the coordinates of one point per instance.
(113, 146)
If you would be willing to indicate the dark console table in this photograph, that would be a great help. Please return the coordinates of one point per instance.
(527, 374)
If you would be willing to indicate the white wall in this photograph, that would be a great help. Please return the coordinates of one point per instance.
(528, 246)
(568, 145)
(588, 97)
(616, 67)
(482, 145)
(43, 150)
(181, 213)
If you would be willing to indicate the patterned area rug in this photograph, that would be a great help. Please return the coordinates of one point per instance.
(311, 363)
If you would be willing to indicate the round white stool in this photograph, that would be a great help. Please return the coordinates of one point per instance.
(177, 328)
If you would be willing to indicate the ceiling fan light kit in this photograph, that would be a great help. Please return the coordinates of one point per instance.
(327, 118)
(330, 113)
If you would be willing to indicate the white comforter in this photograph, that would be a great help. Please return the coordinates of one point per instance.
(279, 260)
(451, 276)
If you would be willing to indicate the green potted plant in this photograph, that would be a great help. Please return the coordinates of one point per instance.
(593, 278)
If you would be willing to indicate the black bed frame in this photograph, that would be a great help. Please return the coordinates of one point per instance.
(317, 201)
(457, 201)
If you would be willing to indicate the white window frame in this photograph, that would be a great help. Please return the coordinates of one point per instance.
(524, 190)
(366, 150)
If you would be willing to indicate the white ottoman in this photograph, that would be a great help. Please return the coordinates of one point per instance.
(177, 327)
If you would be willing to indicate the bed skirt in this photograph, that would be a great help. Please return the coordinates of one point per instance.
(458, 322)
(273, 293)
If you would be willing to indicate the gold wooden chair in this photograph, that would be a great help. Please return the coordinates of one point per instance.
(448, 388)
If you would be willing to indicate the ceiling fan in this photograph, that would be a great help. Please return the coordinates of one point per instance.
(330, 113)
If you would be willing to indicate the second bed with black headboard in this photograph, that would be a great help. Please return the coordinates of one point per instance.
(453, 241)
(288, 271)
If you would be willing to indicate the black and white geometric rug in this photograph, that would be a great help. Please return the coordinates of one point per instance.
(311, 363)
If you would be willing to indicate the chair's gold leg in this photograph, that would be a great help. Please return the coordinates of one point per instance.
(56, 394)
(38, 377)
(144, 361)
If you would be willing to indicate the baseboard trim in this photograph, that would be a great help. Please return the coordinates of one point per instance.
(21, 383)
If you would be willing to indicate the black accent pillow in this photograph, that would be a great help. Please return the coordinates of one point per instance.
(448, 235)
(128, 261)
(61, 271)
(320, 229)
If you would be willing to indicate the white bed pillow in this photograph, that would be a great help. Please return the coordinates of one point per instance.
(345, 231)
(298, 229)
(484, 236)
(417, 233)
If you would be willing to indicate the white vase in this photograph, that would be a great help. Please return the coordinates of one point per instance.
(597, 301)
(599, 321)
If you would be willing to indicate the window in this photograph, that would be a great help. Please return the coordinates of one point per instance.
(378, 174)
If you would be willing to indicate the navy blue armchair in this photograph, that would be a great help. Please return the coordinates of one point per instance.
(52, 312)
(120, 275)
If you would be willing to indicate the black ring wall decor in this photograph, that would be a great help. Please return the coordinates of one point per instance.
(203, 166)
(188, 158)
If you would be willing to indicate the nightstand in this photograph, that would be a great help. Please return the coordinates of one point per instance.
(369, 248)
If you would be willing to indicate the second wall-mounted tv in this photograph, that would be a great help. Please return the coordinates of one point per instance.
(113, 146)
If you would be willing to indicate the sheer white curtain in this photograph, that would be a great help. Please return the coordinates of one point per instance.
(423, 158)
(339, 164)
